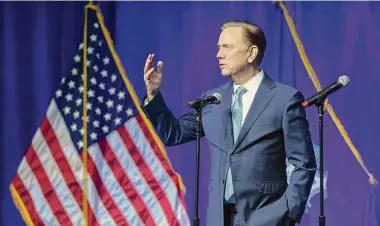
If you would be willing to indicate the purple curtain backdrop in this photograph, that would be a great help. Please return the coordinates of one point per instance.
(38, 40)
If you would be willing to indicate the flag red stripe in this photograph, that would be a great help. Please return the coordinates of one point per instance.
(106, 198)
(46, 187)
(160, 156)
(125, 183)
(67, 173)
(27, 200)
(147, 174)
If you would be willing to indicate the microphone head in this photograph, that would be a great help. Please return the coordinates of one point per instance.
(344, 80)
(218, 98)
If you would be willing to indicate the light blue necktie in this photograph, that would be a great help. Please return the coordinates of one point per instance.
(237, 118)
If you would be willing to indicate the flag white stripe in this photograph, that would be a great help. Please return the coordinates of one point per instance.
(76, 165)
(55, 177)
(135, 177)
(113, 186)
(31, 184)
(158, 170)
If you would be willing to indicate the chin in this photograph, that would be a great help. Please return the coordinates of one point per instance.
(225, 73)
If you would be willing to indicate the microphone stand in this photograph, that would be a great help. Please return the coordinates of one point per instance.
(320, 105)
(198, 105)
(198, 134)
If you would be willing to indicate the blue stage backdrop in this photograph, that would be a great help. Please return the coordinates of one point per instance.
(38, 41)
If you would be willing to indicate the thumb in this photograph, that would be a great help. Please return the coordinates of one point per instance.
(160, 65)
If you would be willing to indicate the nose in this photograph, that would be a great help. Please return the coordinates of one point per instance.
(219, 54)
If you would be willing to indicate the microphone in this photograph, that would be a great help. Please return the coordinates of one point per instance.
(321, 95)
(215, 98)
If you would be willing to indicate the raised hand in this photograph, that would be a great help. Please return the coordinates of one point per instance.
(152, 77)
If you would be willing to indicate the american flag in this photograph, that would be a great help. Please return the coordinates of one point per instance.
(130, 180)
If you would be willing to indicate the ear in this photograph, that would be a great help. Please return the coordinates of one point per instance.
(253, 51)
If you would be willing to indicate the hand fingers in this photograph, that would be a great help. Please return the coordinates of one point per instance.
(148, 74)
(148, 62)
(160, 65)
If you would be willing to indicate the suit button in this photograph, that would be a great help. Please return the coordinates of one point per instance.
(232, 156)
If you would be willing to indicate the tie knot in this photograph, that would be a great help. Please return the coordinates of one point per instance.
(240, 91)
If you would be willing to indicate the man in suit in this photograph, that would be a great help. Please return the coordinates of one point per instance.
(258, 124)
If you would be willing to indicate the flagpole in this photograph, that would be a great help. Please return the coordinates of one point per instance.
(85, 151)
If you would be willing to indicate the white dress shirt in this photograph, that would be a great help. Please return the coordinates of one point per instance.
(252, 86)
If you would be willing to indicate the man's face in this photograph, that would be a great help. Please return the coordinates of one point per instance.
(233, 51)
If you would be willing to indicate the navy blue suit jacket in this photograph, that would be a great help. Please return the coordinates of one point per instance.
(275, 128)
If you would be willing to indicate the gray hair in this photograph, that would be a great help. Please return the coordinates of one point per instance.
(253, 33)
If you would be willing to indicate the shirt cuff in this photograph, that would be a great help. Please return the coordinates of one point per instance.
(146, 101)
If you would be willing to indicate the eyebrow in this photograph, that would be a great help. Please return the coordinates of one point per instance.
(223, 45)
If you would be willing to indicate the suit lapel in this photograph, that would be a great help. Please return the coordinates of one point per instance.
(262, 98)
(225, 114)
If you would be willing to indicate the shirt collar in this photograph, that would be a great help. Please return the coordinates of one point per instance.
(252, 85)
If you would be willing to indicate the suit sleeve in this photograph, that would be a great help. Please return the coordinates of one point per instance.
(172, 131)
(300, 153)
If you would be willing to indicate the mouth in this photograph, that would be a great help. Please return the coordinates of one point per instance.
(221, 65)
